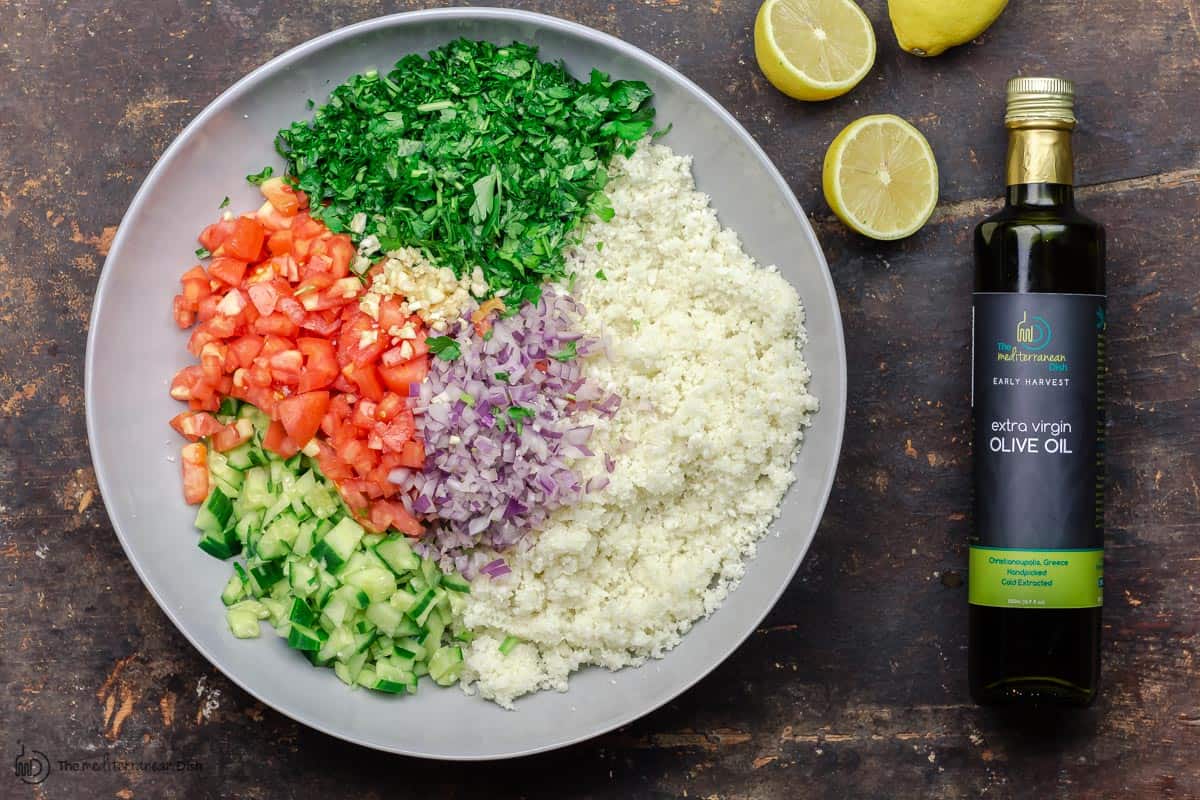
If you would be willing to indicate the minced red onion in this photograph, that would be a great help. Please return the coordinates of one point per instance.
(498, 452)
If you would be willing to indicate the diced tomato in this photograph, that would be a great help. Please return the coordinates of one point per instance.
(246, 241)
(391, 514)
(275, 273)
(291, 308)
(286, 367)
(280, 242)
(206, 309)
(305, 227)
(230, 437)
(264, 296)
(228, 270)
(361, 342)
(398, 432)
(390, 315)
(245, 349)
(301, 415)
(184, 384)
(320, 363)
(271, 219)
(185, 316)
(323, 323)
(277, 441)
(195, 425)
(277, 324)
(195, 286)
(341, 253)
(280, 195)
(412, 455)
(215, 235)
(391, 405)
(402, 376)
(366, 378)
(221, 325)
(194, 458)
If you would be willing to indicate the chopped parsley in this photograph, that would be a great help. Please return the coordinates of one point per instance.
(444, 347)
(224, 203)
(260, 177)
(519, 415)
(600, 275)
(566, 354)
(478, 155)
(503, 376)
(202, 252)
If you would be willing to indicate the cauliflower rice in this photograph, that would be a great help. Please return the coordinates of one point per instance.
(705, 349)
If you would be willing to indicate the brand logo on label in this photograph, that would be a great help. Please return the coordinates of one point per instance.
(1033, 334)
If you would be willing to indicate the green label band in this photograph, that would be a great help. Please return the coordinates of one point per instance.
(1008, 578)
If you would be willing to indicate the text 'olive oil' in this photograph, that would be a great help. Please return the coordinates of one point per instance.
(1036, 557)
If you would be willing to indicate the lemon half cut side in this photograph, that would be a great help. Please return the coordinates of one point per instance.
(881, 178)
(813, 49)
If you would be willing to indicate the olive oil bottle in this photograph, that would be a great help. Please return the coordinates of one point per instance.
(1037, 395)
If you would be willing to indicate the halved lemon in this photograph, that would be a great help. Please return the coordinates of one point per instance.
(881, 178)
(813, 49)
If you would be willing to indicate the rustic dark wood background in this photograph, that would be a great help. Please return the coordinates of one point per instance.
(855, 685)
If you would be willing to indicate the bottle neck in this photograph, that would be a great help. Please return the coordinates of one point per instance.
(1039, 170)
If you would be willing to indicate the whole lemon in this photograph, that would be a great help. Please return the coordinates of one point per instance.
(930, 27)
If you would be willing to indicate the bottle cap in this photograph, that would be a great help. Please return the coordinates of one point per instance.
(1040, 101)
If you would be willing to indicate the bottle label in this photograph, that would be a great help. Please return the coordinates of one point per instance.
(1038, 397)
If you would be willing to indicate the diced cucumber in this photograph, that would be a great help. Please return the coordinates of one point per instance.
(278, 537)
(362, 603)
(423, 606)
(228, 408)
(385, 617)
(399, 557)
(445, 666)
(264, 576)
(301, 614)
(235, 589)
(302, 637)
(456, 583)
(304, 541)
(338, 545)
(276, 610)
(377, 582)
(403, 599)
(214, 512)
(302, 578)
(256, 490)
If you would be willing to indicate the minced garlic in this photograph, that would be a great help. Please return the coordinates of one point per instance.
(432, 293)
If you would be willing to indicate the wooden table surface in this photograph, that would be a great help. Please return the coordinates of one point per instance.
(855, 685)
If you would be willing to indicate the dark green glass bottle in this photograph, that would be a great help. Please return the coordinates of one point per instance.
(1036, 557)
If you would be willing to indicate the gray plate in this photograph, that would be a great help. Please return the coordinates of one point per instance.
(134, 349)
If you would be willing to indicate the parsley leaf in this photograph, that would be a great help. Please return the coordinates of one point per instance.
(444, 347)
(224, 203)
(202, 252)
(261, 176)
(600, 275)
(503, 376)
(566, 354)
